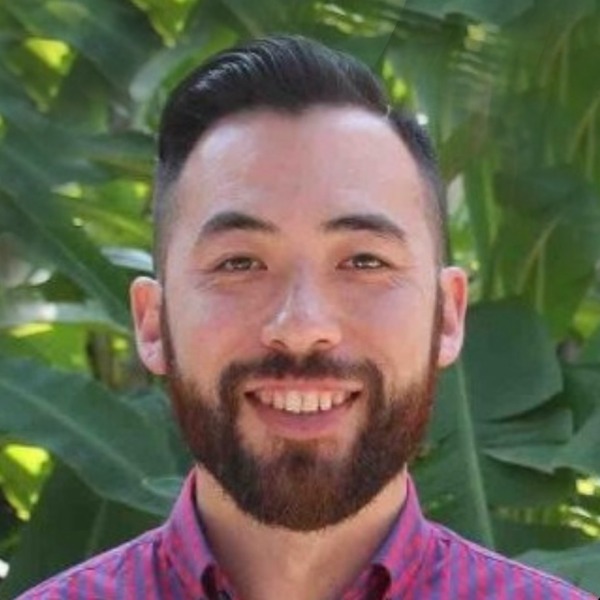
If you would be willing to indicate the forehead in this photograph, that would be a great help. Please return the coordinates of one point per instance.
(302, 169)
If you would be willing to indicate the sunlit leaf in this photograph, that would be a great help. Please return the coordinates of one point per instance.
(111, 445)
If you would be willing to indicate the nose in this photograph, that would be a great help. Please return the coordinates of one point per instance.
(303, 321)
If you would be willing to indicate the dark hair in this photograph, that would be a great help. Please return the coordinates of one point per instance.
(288, 74)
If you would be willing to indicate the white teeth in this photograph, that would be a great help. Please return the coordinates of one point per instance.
(310, 402)
(267, 398)
(338, 398)
(325, 400)
(295, 401)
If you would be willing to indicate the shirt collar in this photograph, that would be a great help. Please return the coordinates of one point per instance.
(185, 541)
(404, 548)
(400, 554)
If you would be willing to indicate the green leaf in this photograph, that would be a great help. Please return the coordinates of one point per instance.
(22, 474)
(548, 243)
(83, 101)
(167, 17)
(498, 12)
(483, 220)
(582, 391)
(583, 451)
(114, 214)
(61, 346)
(115, 36)
(113, 446)
(519, 534)
(29, 165)
(167, 66)
(22, 312)
(130, 154)
(496, 398)
(38, 220)
(260, 17)
(591, 349)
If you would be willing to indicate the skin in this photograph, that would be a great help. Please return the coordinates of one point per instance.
(299, 287)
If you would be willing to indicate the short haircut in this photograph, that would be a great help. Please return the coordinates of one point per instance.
(289, 74)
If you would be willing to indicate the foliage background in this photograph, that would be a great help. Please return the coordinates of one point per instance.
(510, 90)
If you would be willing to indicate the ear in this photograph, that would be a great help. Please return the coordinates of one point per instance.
(146, 300)
(454, 290)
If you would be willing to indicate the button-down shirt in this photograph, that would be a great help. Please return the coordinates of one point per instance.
(418, 560)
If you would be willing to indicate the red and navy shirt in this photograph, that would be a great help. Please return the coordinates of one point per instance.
(418, 560)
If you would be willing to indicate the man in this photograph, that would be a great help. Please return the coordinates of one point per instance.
(301, 311)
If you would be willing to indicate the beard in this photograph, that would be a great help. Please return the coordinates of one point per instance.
(297, 487)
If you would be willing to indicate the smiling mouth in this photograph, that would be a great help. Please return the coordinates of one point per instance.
(305, 401)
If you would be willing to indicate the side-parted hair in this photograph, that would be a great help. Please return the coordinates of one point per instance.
(288, 74)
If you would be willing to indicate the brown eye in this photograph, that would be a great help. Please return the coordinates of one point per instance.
(364, 262)
(240, 264)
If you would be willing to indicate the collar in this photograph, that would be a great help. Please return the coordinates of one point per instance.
(399, 557)
(403, 551)
(185, 541)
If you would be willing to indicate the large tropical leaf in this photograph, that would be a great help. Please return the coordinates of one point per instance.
(582, 391)
(497, 398)
(113, 445)
(498, 12)
(114, 35)
(39, 221)
(548, 244)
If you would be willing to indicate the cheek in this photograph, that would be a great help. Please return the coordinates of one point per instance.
(401, 307)
(210, 330)
(237, 312)
(397, 322)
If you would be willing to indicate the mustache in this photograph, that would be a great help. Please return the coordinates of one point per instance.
(317, 365)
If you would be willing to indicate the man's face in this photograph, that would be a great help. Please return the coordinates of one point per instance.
(303, 315)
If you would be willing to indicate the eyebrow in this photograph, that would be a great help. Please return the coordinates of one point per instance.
(228, 221)
(369, 222)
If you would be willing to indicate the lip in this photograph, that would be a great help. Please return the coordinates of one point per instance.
(302, 426)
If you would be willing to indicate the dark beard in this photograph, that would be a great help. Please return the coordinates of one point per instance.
(298, 488)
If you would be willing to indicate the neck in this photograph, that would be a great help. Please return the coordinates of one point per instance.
(270, 563)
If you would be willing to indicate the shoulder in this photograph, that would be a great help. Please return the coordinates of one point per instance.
(473, 571)
(100, 577)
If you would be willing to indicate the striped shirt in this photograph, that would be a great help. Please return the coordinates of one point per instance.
(418, 560)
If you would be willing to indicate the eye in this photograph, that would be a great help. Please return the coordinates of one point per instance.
(239, 264)
(364, 262)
